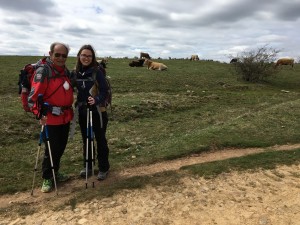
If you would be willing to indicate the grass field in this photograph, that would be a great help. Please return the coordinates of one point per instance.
(190, 108)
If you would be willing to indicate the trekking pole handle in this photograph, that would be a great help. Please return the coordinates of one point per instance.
(87, 102)
(46, 132)
(42, 107)
(39, 103)
(40, 98)
(45, 108)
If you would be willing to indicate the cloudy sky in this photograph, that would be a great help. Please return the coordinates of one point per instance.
(212, 29)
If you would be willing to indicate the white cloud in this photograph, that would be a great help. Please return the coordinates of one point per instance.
(213, 29)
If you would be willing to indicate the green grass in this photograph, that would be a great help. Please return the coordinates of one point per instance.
(191, 108)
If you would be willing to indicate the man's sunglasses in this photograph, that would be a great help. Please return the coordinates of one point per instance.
(60, 55)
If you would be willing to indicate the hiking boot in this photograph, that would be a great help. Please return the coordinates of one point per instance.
(83, 172)
(47, 186)
(102, 175)
(61, 177)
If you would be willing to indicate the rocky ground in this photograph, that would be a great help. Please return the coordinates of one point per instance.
(267, 197)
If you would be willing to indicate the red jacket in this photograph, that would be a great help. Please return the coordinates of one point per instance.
(54, 84)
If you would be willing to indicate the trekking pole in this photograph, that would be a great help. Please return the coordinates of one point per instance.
(50, 154)
(87, 146)
(92, 142)
(37, 158)
(41, 112)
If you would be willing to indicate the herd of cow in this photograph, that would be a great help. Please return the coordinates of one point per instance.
(145, 60)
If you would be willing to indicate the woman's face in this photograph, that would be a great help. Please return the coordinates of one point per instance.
(86, 57)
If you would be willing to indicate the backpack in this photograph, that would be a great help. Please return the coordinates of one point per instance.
(25, 79)
(108, 99)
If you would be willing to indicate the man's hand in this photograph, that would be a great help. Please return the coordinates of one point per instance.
(43, 120)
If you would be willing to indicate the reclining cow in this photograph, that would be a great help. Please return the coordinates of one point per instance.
(154, 65)
(137, 63)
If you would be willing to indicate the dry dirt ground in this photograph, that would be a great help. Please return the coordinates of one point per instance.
(266, 197)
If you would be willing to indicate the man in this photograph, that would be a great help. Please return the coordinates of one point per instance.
(51, 81)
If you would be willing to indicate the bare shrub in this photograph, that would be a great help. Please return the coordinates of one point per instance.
(256, 65)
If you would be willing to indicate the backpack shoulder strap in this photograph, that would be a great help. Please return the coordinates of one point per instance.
(44, 71)
(94, 75)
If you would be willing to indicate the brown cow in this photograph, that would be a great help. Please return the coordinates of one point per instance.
(145, 55)
(285, 61)
(154, 65)
(137, 63)
(194, 58)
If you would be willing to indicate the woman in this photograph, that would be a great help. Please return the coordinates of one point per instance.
(92, 92)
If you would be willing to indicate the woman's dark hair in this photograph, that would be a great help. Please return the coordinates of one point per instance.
(94, 61)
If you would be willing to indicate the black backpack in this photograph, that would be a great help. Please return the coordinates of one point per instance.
(108, 99)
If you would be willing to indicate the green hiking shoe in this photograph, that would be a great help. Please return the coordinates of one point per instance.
(47, 186)
(61, 177)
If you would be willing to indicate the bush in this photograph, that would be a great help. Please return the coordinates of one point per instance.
(256, 65)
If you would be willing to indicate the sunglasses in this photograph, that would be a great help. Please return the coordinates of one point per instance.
(57, 55)
(86, 56)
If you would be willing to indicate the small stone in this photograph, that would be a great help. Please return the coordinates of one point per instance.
(82, 221)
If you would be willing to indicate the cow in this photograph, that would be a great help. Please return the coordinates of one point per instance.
(137, 63)
(145, 55)
(194, 58)
(285, 61)
(234, 60)
(154, 65)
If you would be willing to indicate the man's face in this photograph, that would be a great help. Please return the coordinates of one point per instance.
(59, 55)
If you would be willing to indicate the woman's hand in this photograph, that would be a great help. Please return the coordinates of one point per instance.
(91, 100)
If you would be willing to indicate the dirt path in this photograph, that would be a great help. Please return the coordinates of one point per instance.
(265, 197)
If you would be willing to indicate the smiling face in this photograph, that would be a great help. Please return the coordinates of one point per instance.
(86, 57)
(59, 55)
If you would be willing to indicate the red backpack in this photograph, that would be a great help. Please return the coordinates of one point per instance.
(25, 79)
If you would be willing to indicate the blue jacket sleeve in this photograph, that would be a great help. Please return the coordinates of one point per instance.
(103, 89)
